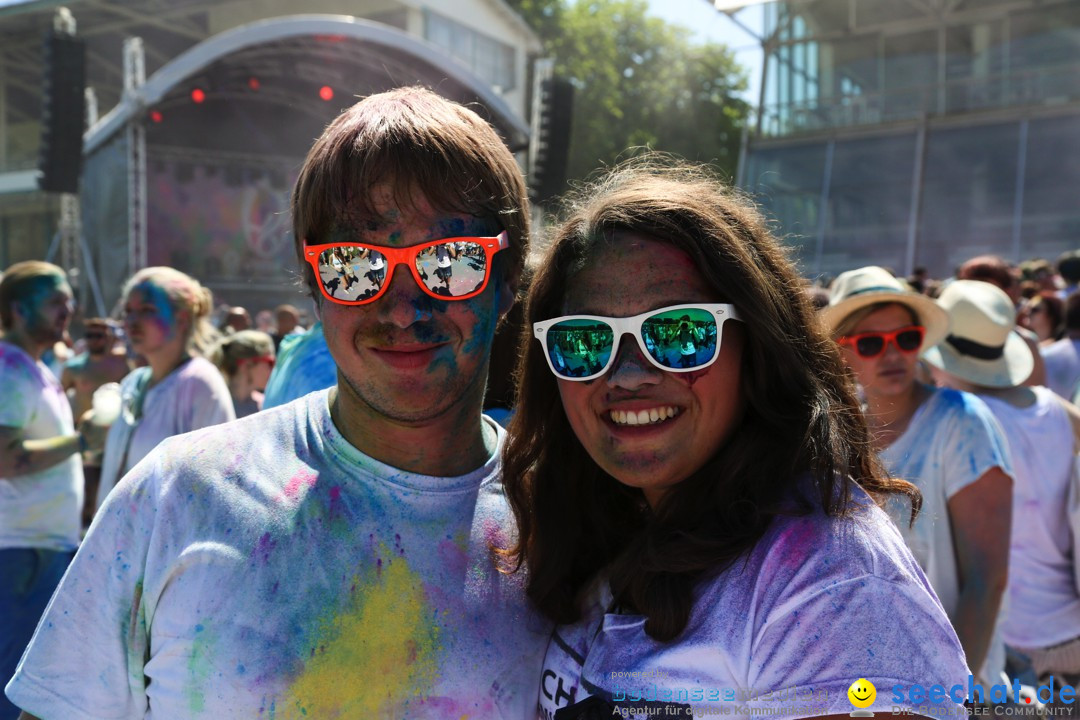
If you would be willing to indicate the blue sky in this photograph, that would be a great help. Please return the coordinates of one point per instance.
(707, 23)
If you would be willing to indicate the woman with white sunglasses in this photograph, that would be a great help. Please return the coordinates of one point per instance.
(945, 442)
(704, 528)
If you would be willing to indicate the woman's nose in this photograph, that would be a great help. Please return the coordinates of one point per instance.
(631, 368)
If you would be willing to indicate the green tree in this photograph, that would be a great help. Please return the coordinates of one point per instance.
(640, 82)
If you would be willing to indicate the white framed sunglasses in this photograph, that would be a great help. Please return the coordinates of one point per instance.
(677, 338)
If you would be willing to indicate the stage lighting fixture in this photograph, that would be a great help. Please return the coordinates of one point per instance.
(326, 93)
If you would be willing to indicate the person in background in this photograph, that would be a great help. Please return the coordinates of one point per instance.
(165, 318)
(303, 365)
(236, 318)
(264, 322)
(246, 359)
(945, 442)
(702, 522)
(1068, 269)
(1044, 315)
(994, 270)
(104, 361)
(984, 356)
(288, 323)
(1062, 358)
(332, 557)
(41, 480)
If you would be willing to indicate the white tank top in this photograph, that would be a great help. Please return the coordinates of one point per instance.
(1043, 605)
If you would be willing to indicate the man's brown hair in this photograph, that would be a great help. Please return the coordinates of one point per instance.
(417, 142)
(17, 280)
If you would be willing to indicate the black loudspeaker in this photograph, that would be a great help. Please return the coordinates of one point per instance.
(548, 176)
(63, 116)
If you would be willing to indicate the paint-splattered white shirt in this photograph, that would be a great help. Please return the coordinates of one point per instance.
(951, 441)
(818, 604)
(267, 569)
(191, 397)
(38, 510)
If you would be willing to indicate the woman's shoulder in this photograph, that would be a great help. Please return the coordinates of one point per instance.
(821, 601)
(947, 401)
(802, 555)
(200, 372)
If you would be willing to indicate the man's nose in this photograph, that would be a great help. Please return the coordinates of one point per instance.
(404, 303)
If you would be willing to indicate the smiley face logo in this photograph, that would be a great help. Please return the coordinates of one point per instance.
(862, 693)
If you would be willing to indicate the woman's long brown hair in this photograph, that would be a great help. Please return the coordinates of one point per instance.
(801, 417)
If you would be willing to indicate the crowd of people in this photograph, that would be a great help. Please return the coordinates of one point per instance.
(707, 474)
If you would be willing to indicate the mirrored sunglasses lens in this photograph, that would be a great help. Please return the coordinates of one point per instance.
(352, 272)
(870, 346)
(909, 340)
(453, 269)
(681, 338)
(579, 348)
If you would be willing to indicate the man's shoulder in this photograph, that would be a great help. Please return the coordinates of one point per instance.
(266, 434)
(14, 359)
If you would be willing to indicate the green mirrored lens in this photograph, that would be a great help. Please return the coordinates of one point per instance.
(683, 338)
(579, 348)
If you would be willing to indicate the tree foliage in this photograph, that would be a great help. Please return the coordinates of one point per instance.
(640, 82)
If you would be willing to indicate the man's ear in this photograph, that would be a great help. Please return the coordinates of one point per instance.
(506, 294)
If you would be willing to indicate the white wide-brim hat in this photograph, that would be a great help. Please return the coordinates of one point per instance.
(856, 289)
(982, 347)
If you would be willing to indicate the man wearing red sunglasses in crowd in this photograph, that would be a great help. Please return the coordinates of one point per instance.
(332, 557)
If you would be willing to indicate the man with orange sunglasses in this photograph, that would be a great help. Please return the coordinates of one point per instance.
(332, 557)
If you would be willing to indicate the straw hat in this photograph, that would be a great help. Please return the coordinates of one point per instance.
(983, 348)
(855, 289)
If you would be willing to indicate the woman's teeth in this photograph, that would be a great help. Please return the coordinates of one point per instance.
(643, 417)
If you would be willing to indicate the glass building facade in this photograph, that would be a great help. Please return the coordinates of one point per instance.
(904, 133)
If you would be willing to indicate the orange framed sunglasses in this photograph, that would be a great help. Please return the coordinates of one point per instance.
(456, 268)
(870, 345)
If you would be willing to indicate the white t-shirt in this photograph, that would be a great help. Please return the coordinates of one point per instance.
(267, 568)
(1062, 360)
(191, 397)
(818, 603)
(951, 441)
(1044, 608)
(42, 509)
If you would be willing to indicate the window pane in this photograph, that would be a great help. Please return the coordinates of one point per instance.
(869, 204)
(786, 182)
(1051, 221)
(1044, 52)
(911, 74)
(969, 191)
(974, 66)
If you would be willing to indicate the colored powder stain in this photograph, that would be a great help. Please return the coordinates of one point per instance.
(386, 639)
(200, 667)
(483, 331)
(263, 548)
(297, 482)
(133, 620)
(693, 377)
